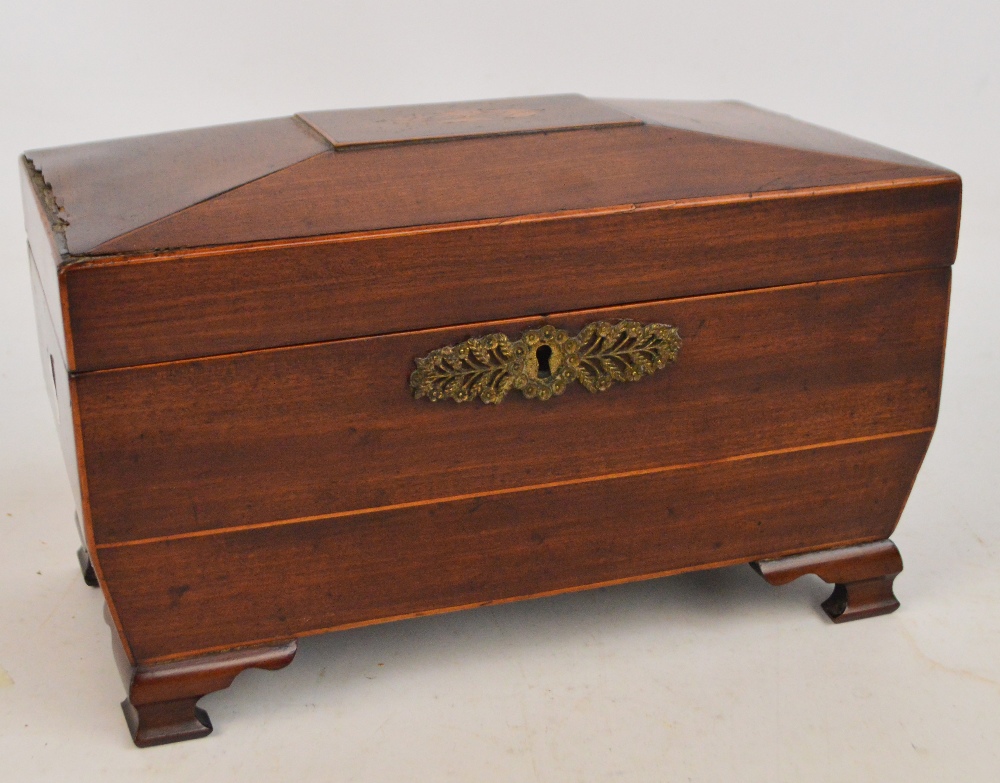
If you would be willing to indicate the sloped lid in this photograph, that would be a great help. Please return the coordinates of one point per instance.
(333, 172)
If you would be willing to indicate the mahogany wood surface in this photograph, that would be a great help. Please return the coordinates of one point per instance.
(229, 318)
(333, 428)
(862, 575)
(187, 306)
(348, 170)
(391, 124)
(737, 120)
(107, 188)
(862, 599)
(45, 256)
(481, 178)
(161, 705)
(226, 589)
(57, 383)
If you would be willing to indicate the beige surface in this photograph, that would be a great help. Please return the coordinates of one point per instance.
(707, 677)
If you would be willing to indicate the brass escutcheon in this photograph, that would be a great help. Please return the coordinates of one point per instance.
(544, 361)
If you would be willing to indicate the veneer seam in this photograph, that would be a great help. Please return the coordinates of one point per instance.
(499, 601)
(498, 324)
(166, 254)
(511, 490)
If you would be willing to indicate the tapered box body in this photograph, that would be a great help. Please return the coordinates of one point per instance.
(231, 319)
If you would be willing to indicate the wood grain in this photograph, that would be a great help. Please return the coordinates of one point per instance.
(198, 305)
(331, 428)
(251, 181)
(229, 318)
(202, 592)
(60, 387)
(161, 706)
(107, 188)
(481, 178)
(45, 256)
(57, 384)
(347, 128)
(862, 576)
(848, 564)
(737, 120)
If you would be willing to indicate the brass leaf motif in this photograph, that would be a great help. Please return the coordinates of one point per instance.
(543, 362)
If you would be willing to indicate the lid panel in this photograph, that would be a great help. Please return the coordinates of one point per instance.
(107, 188)
(333, 172)
(331, 225)
(736, 120)
(399, 124)
(288, 293)
(477, 179)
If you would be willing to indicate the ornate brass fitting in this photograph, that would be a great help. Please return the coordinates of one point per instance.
(543, 362)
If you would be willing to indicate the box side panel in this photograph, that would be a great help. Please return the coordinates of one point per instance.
(333, 429)
(177, 307)
(60, 387)
(236, 588)
(56, 377)
(46, 260)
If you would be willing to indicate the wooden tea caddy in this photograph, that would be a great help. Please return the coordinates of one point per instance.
(346, 367)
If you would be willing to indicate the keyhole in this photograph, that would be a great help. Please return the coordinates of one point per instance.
(543, 353)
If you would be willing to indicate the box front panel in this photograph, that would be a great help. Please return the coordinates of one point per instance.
(227, 589)
(334, 429)
(213, 301)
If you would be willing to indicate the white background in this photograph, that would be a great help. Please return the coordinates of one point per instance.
(705, 677)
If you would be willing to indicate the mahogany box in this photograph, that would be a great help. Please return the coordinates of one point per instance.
(347, 367)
